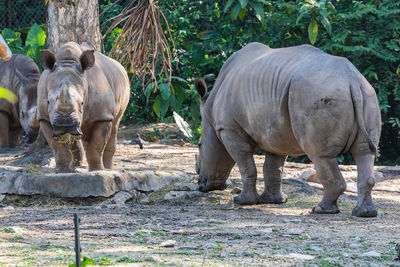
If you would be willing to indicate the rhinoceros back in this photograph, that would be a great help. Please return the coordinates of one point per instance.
(270, 93)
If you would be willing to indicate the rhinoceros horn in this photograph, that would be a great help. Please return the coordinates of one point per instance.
(65, 97)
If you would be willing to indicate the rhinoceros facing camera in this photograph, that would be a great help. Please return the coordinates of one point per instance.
(82, 96)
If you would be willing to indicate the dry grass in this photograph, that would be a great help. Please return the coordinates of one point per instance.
(142, 42)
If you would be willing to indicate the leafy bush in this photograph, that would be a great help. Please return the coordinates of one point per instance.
(31, 46)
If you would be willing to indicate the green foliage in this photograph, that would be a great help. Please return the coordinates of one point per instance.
(86, 261)
(34, 42)
(207, 32)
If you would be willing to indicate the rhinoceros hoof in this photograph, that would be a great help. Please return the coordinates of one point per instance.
(365, 211)
(247, 199)
(332, 209)
(279, 198)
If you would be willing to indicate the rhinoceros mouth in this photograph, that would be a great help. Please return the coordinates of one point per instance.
(67, 138)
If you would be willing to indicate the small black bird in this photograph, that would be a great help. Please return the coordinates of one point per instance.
(138, 141)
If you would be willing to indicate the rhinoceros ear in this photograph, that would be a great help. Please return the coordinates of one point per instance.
(48, 60)
(201, 88)
(87, 59)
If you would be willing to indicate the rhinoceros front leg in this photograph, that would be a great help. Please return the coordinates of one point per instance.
(77, 153)
(4, 122)
(242, 153)
(332, 180)
(13, 136)
(61, 151)
(365, 181)
(273, 167)
(100, 134)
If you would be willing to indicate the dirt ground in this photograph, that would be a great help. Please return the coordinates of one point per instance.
(201, 230)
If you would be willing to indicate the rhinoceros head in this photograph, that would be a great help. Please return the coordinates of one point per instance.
(27, 95)
(67, 90)
(213, 163)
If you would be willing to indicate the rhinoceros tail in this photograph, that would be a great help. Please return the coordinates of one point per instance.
(358, 101)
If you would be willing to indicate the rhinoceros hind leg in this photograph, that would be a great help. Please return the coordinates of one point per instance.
(110, 149)
(365, 181)
(332, 180)
(100, 134)
(242, 153)
(4, 129)
(273, 167)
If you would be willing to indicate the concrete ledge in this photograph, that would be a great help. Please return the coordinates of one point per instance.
(90, 184)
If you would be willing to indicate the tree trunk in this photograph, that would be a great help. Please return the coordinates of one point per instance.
(70, 20)
(73, 20)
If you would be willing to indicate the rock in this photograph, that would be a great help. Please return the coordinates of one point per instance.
(355, 245)
(138, 197)
(379, 175)
(236, 190)
(149, 259)
(89, 184)
(187, 187)
(310, 175)
(298, 256)
(2, 197)
(316, 248)
(8, 208)
(351, 186)
(121, 197)
(371, 254)
(393, 170)
(176, 195)
(168, 244)
(12, 229)
(211, 246)
(146, 200)
(292, 220)
(265, 231)
(294, 231)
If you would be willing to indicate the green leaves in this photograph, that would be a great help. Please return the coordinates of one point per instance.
(35, 41)
(36, 37)
(313, 31)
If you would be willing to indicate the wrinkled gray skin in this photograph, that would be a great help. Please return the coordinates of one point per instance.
(289, 101)
(20, 75)
(82, 94)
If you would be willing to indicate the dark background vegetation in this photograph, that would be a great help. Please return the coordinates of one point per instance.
(207, 32)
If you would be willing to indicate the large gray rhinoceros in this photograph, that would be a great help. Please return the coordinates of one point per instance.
(20, 75)
(82, 95)
(288, 101)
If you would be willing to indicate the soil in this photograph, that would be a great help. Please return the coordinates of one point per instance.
(202, 229)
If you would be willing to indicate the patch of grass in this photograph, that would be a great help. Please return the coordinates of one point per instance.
(17, 238)
(237, 236)
(6, 230)
(104, 261)
(34, 169)
(326, 263)
(159, 233)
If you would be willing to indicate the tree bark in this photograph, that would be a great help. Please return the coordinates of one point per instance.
(73, 20)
